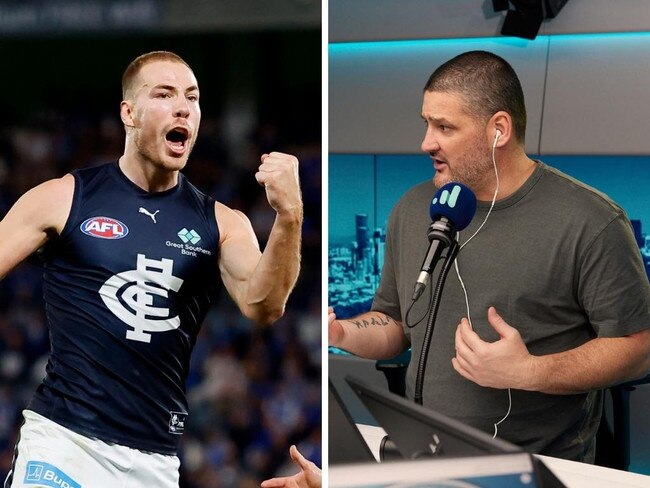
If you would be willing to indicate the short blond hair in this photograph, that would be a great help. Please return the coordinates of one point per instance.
(136, 65)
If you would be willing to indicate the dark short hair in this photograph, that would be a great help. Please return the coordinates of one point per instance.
(487, 82)
(136, 65)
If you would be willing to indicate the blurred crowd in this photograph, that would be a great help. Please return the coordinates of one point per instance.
(253, 392)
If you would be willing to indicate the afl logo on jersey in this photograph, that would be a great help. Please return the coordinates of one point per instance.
(104, 228)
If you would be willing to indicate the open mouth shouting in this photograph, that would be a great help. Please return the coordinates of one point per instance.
(177, 140)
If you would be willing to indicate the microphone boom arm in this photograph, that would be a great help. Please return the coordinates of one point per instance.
(433, 313)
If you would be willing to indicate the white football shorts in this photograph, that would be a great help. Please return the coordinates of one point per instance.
(49, 455)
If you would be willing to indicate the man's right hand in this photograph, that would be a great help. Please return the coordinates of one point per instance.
(335, 331)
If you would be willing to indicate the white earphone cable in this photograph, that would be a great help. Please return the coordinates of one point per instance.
(462, 283)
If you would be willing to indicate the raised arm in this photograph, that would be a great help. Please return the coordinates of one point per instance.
(35, 217)
(260, 282)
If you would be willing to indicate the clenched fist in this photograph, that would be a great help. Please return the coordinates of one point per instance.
(278, 173)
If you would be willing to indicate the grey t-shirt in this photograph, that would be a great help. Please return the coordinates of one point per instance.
(558, 260)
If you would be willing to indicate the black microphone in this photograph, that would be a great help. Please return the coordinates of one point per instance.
(452, 209)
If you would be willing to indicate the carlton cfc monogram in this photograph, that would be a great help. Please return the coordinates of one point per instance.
(136, 288)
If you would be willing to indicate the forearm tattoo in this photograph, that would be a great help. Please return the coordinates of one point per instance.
(381, 319)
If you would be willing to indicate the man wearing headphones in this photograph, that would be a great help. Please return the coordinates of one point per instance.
(549, 303)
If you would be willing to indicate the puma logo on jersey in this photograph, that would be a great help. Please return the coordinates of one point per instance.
(143, 210)
(131, 297)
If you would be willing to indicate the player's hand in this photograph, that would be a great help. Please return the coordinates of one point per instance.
(505, 363)
(278, 174)
(309, 476)
(335, 329)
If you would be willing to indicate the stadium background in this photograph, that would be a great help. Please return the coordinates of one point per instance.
(252, 392)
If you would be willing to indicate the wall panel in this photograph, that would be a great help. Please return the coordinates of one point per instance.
(375, 89)
(597, 96)
(373, 20)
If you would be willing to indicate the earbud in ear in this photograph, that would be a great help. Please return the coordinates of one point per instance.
(497, 134)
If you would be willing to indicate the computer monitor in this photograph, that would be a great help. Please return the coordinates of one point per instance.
(346, 444)
(420, 433)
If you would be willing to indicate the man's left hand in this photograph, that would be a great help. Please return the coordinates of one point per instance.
(505, 363)
(278, 173)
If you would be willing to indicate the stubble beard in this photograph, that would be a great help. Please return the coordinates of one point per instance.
(152, 152)
(473, 170)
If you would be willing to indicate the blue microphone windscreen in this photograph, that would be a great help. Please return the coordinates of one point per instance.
(456, 202)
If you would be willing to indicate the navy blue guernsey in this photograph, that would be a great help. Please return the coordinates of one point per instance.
(126, 286)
